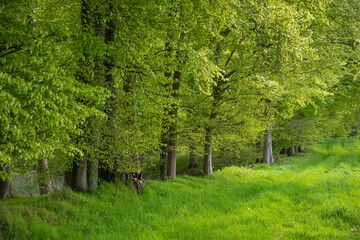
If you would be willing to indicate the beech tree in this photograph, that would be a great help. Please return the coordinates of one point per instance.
(95, 87)
(39, 95)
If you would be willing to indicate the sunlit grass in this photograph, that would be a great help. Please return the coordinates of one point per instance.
(315, 195)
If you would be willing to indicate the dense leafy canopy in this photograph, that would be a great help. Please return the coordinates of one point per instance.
(112, 83)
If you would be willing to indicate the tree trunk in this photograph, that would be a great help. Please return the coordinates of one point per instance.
(131, 112)
(301, 149)
(45, 181)
(163, 156)
(208, 132)
(172, 141)
(296, 149)
(267, 154)
(106, 172)
(171, 157)
(92, 175)
(291, 151)
(5, 185)
(76, 177)
(80, 175)
(208, 152)
(95, 124)
(193, 157)
(164, 149)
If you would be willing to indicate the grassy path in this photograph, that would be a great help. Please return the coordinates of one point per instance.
(315, 195)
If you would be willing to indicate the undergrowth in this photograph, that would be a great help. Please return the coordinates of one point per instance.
(314, 195)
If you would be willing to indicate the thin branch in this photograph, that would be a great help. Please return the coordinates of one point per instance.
(227, 75)
(229, 59)
(12, 51)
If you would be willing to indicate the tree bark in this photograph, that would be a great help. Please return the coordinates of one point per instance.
(76, 177)
(164, 149)
(209, 130)
(171, 157)
(193, 157)
(80, 175)
(217, 92)
(5, 185)
(163, 155)
(92, 175)
(291, 151)
(172, 140)
(94, 124)
(296, 149)
(45, 181)
(131, 112)
(267, 154)
(106, 172)
(208, 152)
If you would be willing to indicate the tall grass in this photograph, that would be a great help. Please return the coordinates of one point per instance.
(315, 195)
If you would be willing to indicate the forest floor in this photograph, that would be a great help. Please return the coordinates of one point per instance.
(314, 195)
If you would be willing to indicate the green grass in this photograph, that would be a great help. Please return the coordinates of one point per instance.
(315, 195)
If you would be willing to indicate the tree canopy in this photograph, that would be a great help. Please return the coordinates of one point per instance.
(99, 87)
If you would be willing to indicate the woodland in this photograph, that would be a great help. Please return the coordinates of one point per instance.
(96, 90)
(179, 119)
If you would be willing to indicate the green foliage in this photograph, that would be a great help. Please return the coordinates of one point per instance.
(313, 195)
(68, 90)
(39, 93)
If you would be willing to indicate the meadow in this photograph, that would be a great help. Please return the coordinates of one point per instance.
(314, 195)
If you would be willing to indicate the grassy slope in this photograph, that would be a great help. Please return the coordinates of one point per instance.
(315, 195)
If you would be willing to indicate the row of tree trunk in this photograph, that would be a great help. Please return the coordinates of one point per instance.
(292, 151)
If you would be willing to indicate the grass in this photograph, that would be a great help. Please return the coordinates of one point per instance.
(315, 195)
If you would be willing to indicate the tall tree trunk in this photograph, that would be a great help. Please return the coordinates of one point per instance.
(79, 169)
(112, 106)
(192, 156)
(268, 154)
(80, 175)
(74, 176)
(208, 152)
(209, 130)
(164, 149)
(45, 181)
(172, 140)
(217, 94)
(5, 185)
(95, 124)
(131, 112)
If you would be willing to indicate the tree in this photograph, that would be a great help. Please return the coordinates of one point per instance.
(39, 95)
